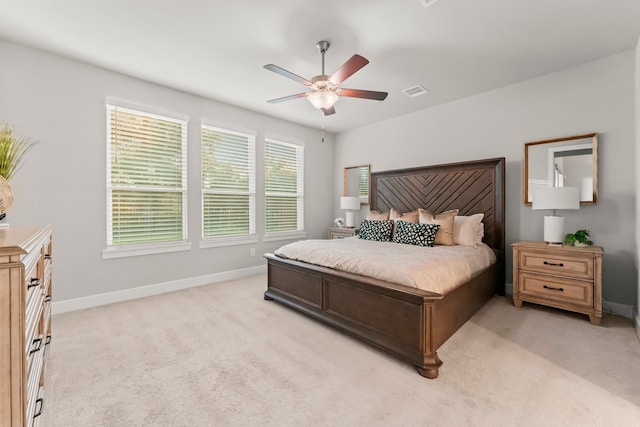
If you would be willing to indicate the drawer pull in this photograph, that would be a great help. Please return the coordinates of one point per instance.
(554, 264)
(47, 340)
(39, 401)
(47, 256)
(35, 350)
(551, 288)
(34, 282)
(47, 298)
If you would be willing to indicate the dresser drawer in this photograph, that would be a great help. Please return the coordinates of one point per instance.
(341, 233)
(557, 289)
(557, 265)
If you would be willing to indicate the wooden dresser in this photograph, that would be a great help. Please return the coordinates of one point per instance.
(565, 277)
(25, 327)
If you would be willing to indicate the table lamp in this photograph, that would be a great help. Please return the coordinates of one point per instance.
(350, 204)
(555, 198)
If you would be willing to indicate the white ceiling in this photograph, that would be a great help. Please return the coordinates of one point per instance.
(214, 48)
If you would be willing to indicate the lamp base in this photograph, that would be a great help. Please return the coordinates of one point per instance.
(554, 229)
(351, 219)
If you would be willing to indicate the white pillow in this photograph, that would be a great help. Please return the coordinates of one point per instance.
(468, 230)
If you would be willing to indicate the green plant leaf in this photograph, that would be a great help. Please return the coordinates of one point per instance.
(12, 151)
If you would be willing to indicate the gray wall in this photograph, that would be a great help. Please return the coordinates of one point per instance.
(61, 104)
(637, 160)
(594, 97)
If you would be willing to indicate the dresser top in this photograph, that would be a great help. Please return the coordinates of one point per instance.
(17, 240)
(561, 248)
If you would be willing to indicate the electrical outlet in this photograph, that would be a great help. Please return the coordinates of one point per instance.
(253, 251)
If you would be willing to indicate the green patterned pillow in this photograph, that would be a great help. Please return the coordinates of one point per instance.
(415, 234)
(375, 230)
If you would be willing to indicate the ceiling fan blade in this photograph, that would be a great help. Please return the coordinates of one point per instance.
(348, 69)
(366, 94)
(287, 74)
(287, 98)
(329, 111)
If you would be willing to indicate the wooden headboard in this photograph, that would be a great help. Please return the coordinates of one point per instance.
(472, 187)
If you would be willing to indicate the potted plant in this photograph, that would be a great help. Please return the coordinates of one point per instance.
(580, 238)
(12, 151)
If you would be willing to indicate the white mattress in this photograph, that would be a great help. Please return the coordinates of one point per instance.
(437, 269)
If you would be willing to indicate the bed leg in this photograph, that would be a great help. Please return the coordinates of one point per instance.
(267, 298)
(430, 367)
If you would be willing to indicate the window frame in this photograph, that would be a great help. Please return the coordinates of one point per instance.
(136, 249)
(230, 240)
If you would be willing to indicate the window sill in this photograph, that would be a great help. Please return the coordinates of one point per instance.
(288, 235)
(147, 249)
(216, 242)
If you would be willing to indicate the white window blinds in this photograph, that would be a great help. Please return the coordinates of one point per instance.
(228, 183)
(284, 186)
(146, 177)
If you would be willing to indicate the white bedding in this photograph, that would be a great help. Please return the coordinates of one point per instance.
(436, 269)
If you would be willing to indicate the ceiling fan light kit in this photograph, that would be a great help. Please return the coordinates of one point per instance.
(324, 91)
(322, 100)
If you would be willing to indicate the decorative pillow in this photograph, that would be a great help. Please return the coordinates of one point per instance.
(395, 215)
(445, 220)
(480, 232)
(378, 216)
(466, 230)
(415, 234)
(375, 230)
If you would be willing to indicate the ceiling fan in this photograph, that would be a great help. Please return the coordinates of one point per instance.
(324, 91)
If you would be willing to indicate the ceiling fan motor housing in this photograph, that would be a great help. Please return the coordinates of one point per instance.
(322, 82)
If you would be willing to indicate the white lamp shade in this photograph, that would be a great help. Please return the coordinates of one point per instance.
(555, 198)
(322, 99)
(350, 203)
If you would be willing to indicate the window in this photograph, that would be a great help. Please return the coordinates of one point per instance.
(228, 185)
(146, 179)
(284, 187)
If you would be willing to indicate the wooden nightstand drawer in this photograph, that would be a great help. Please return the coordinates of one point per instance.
(342, 232)
(558, 265)
(561, 290)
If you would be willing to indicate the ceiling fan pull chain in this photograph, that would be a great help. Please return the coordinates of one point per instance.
(322, 130)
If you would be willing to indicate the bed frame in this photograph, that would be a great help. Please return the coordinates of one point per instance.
(407, 322)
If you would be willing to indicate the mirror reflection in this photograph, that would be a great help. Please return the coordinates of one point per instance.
(356, 182)
(563, 162)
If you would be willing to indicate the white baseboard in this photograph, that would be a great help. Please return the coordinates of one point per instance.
(623, 310)
(508, 288)
(145, 291)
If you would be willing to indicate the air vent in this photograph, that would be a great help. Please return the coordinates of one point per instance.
(416, 90)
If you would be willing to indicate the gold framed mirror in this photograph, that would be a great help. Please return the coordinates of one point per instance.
(356, 182)
(563, 162)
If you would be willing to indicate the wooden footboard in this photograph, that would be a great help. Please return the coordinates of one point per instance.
(407, 322)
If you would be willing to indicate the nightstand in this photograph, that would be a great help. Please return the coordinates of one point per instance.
(341, 233)
(565, 277)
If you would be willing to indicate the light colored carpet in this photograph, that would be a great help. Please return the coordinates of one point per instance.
(219, 355)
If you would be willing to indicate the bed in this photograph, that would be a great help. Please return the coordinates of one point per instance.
(407, 322)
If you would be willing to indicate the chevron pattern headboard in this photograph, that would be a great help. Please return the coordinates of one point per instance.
(472, 187)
